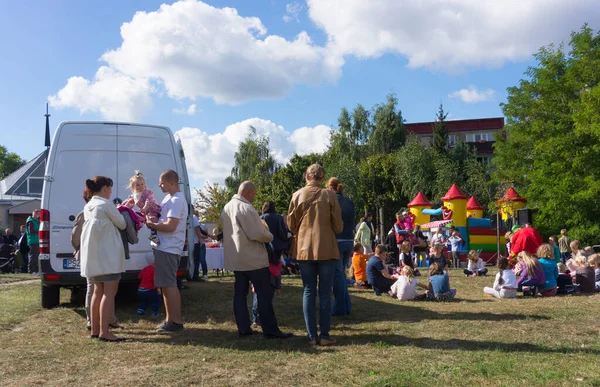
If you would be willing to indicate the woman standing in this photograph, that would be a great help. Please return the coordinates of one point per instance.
(277, 227)
(102, 253)
(315, 218)
(342, 306)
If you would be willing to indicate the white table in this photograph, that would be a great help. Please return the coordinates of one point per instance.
(214, 258)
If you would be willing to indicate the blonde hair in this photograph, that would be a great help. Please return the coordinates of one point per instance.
(545, 251)
(408, 273)
(473, 256)
(575, 245)
(137, 176)
(563, 231)
(594, 260)
(508, 235)
(531, 262)
(315, 173)
(562, 268)
(406, 247)
(581, 260)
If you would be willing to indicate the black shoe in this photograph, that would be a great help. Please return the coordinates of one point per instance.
(94, 336)
(279, 335)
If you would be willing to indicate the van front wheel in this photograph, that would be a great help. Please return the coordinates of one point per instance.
(50, 296)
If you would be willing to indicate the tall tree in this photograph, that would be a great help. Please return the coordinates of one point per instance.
(289, 178)
(549, 147)
(389, 133)
(9, 162)
(210, 202)
(440, 132)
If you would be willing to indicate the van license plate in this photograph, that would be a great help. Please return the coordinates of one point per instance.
(70, 263)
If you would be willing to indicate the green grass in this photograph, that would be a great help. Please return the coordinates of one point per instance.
(473, 341)
(9, 278)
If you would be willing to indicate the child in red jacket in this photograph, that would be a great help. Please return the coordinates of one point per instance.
(147, 292)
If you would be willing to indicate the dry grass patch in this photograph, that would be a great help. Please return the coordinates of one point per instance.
(10, 278)
(474, 340)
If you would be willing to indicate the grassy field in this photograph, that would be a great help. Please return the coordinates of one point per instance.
(474, 340)
(10, 278)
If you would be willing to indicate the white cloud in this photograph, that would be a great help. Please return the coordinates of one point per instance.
(115, 95)
(190, 111)
(293, 11)
(472, 95)
(210, 156)
(449, 35)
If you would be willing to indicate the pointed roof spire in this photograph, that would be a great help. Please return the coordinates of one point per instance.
(419, 201)
(473, 204)
(454, 193)
(47, 140)
(512, 196)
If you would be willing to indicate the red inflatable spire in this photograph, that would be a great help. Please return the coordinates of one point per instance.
(473, 204)
(454, 193)
(419, 201)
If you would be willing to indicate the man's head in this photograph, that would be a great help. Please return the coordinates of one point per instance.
(22, 229)
(169, 181)
(247, 190)
(369, 217)
(8, 231)
(35, 214)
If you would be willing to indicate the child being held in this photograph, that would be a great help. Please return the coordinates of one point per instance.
(505, 285)
(476, 266)
(405, 287)
(439, 285)
(147, 292)
(144, 199)
(585, 276)
(359, 266)
(594, 261)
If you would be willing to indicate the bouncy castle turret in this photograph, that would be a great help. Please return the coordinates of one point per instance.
(416, 207)
(510, 203)
(474, 209)
(456, 201)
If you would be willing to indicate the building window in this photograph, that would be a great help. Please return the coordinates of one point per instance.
(479, 137)
(451, 140)
(485, 160)
(35, 185)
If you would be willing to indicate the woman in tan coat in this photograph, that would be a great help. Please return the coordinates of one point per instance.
(315, 218)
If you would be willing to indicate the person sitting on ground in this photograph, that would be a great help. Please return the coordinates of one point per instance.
(575, 252)
(359, 265)
(553, 241)
(405, 287)
(545, 255)
(378, 274)
(594, 261)
(439, 285)
(533, 275)
(505, 285)
(564, 280)
(519, 266)
(438, 257)
(507, 237)
(585, 276)
(406, 258)
(476, 266)
(147, 292)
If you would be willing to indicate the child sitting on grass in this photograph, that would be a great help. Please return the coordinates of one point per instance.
(553, 241)
(476, 266)
(378, 274)
(584, 276)
(438, 257)
(405, 288)
(545, 255)
(564, 280)
(594, 261)
(406, 258)
(359, 266)
(505, 285)
(147, 292)
(575, 252)
(439, 285)
(533, 276)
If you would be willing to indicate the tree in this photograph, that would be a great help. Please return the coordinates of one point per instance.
(416, 168)
(389, 133)
(290, 178)
(440, 132)
(210, 202)
(549, 148)
(9, 162)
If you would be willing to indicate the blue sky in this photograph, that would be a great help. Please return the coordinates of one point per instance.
(247, 65)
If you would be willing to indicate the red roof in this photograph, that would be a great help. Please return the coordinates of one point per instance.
(419, 200)
(512, 196)
(454, 193)
(473, 204)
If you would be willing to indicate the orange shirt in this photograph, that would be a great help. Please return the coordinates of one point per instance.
(359, 264)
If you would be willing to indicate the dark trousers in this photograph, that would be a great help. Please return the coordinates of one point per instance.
(199, 259)
(383, 285)
(25, 257)
(148, 297)
(564, 257)
(34, 254)
(264, 294)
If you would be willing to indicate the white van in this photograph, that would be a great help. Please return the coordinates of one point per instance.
(80, 151)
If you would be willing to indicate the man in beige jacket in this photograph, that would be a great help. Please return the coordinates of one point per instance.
(244, 238)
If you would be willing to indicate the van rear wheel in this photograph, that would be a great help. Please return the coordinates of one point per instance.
(50, 296)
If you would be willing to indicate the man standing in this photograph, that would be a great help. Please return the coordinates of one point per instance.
(24, 249)
(245, 253)
(200, 235)
(32, 228)
(167, 253)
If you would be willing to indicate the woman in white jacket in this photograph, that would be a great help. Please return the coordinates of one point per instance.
(102, 253)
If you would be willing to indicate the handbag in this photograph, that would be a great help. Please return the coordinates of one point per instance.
(294, 240)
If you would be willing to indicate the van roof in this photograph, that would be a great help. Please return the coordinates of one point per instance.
(113, 123)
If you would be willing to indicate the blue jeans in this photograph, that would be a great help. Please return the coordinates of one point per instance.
(255, 314)
(324, 270)
(199, 259)
(148, 296)
(264, 294)
(342, 305)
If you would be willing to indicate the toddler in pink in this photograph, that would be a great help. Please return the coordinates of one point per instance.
(144, 199)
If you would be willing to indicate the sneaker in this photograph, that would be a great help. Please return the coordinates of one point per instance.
(162, 325)
(327, 341)
(170, 326)
(205, 277)
(140, 312)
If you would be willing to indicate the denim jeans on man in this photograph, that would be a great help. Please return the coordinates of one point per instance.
(342, 305)
(264, 293)
(324, 270)
(199, 259)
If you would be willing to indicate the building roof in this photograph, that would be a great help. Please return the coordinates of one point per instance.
(475, 125)
(473, 204)
(419, 201)
(15, 179)
(454, 193)
(512, 196)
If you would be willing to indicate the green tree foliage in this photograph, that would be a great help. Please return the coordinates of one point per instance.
(440, 132)
(9, 162)
(389, 133)
(210, 202)
(416, 168)
(550, 147)
(290, 178)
